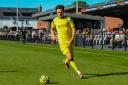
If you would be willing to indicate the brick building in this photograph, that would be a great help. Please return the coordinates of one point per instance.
(112, 22)
(114, 12)
(8, 17)
(80, 20)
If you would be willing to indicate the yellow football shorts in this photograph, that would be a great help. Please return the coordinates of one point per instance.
(66, 48)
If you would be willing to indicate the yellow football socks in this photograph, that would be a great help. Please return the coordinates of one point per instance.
(73, 65)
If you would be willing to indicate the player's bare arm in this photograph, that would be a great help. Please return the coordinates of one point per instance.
(73, 34)
(53, 36)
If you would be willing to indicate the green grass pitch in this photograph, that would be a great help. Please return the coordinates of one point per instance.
(24, 64)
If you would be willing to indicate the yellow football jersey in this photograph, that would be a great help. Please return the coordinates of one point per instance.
(64, 28)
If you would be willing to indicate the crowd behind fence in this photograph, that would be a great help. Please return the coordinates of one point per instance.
(103, 40)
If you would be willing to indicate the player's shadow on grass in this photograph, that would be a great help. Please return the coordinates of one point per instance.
(8, 71)
(106, 74)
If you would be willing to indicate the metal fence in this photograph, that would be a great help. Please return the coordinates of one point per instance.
(103, 41)
(99, 40)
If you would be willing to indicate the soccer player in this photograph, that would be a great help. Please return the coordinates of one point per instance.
(66, 33)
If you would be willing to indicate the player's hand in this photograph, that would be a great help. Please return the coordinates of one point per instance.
(54, 38)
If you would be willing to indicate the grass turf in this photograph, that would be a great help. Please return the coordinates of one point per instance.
(24, 64)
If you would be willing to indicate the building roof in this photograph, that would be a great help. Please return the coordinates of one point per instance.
(73, 15)
(53, 11)
(50, 14)
(114, 8)
(105, 3)
(6, 12)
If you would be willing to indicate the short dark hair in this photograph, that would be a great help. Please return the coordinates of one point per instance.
(60, 7)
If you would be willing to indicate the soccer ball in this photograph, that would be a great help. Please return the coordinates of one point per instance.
(44, 79)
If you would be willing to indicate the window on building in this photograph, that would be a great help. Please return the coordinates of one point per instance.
(9, 14)
(27, 14)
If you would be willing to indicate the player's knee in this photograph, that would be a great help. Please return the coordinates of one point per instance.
(70, 58)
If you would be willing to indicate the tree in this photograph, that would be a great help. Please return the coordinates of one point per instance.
(81, 3)
(5, 27)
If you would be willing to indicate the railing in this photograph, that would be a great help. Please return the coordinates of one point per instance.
(100, 40)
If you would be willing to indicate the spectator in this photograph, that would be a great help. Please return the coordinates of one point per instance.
(24, 36)
(119, 38)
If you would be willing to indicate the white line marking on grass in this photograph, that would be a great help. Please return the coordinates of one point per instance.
(101, 54)
(85, 52)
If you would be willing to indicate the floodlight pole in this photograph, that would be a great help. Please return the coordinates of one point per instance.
(17, 14)
(77, 7)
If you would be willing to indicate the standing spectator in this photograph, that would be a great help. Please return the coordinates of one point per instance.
(118, 39)
(24, 36)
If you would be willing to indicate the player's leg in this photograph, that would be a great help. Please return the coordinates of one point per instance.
(68, 52)
(66, 62)
(63, 48)
(73, 64)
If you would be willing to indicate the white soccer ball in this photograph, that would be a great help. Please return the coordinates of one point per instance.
(44, 79)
